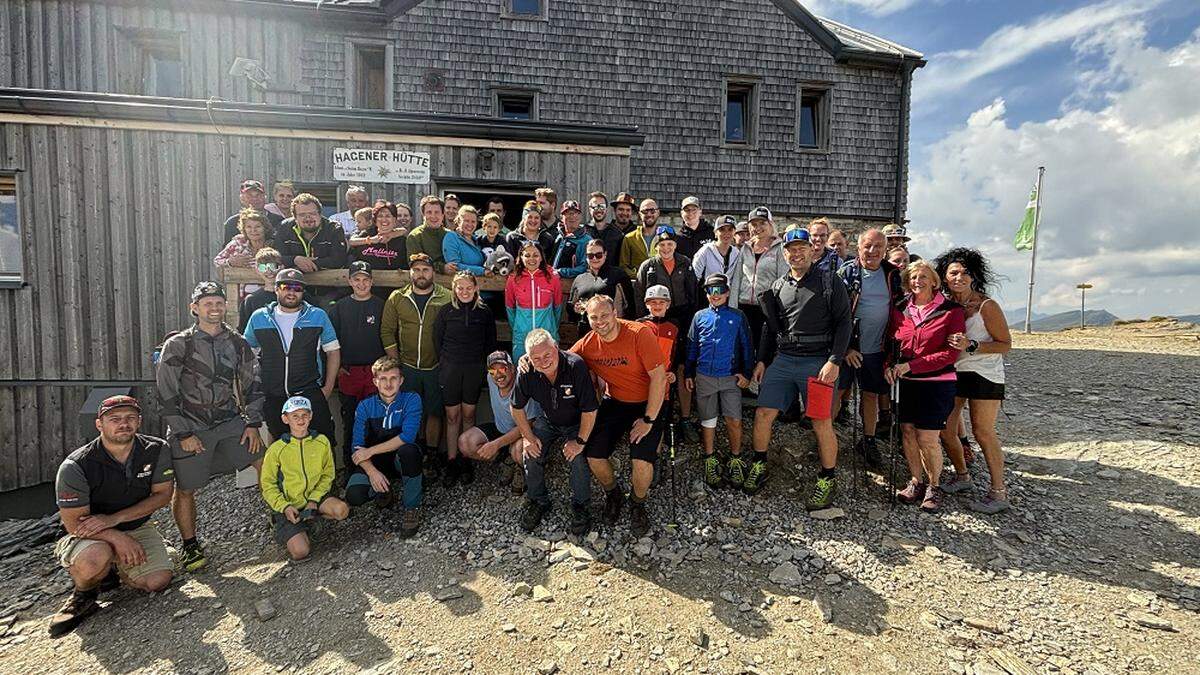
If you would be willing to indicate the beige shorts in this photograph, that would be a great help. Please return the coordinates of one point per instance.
(157, 559)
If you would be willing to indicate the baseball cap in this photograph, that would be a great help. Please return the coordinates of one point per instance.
(742, 226)
(419, 259)
(798, 234)
(625, 198)
(760, 213)
(894, 231)
(725, 221)
(290, 276)
(499, 357)
(296, 403)
(251, 184)
(360, 267)
(717, 280)
(113, 402)
(690, 200)
(665, 233)
(206, 289)
(570, 205)
(658, 292)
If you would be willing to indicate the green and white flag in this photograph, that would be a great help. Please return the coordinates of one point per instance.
(1024, 239)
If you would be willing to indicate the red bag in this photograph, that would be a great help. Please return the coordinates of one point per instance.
(819, 405)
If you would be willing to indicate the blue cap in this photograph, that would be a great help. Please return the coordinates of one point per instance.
(297, 403)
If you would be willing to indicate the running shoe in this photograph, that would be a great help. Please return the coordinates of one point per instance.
(712, 471)
(75, 610)
(735, 471)
(932, 503)
(992, 503)
(961, 482)
(822, 494)
(755, 477)
(912, 493)
(192, 558)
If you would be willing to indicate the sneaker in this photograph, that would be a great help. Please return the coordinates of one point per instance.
(612, 506)
(192, 558)
(822, 494)
(518, 481)
(735, 471)
(639, 520)
(992, 503)
(581, 519)
(75, 610)
(410, 522)
(755, 477)
(912, 493)
(532, 514)
(933, 499)
(868, 449)
(712, 471)
(111, 582)
(960, 483)
(453, 470)
(466, 470)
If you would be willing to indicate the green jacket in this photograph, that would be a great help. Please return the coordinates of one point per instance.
(409, 332)
(296, 471)
(429, 242)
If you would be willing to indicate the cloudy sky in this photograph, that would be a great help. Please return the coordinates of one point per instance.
(1105, 95)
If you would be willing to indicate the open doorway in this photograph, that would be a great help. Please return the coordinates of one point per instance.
(512, 195)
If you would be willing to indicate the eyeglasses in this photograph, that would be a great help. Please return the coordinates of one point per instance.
(295, 288)
(716, 290)
(665, 229)
(795, 235)
(267, 268)
(595, 256)
(599, 207)
(649, 211)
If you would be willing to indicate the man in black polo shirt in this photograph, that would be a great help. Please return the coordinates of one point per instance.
(559, 382)
(252, 196)
(106, 492)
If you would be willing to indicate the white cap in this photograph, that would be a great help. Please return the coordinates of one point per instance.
(297, 403)
(658, 292)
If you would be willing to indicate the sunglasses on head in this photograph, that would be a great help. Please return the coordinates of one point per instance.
(665, 229)
(291, 287)
(795, 235)
(595, 256)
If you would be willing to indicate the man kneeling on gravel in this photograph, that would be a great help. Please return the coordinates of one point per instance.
(484, 442)
(106, 492)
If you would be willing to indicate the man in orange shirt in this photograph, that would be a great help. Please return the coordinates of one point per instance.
(625, 357)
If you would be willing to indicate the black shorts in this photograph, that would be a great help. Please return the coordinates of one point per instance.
(461, 382)
(489, 430)
(926, 404)
(614, 421)
(976, 387)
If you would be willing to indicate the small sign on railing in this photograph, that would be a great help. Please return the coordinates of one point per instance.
(366, 165)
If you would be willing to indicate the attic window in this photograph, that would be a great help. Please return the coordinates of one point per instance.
(516, 104)
(369, 74)
(150, 62)
(525, 9)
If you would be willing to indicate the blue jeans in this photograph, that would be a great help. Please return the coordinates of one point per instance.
(535, 467)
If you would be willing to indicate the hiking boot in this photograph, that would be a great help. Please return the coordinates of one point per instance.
(453, 471)
(868, 449)
(687, 432)
(755, 477)
(639, 521)
(581, 519)
(992, 503)
(192, 558)
(410, 522)
(933, 499)
(735, 471)
(712, 471)
(884, 425)
(822, 494)
(75, 610)
(532, 514)
(385, 500)
(518, 481)
(612, 506)
(912, 493)
(960, 483)
(466, 470)
(111, 582)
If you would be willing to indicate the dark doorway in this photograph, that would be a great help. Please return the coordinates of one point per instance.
(478, 196)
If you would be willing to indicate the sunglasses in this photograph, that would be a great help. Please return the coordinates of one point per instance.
(649, 211)
(296, 288)
(496, 370)
(599, 207)
(795, 235)
(267, 268)
(595, 256)
(716, 290)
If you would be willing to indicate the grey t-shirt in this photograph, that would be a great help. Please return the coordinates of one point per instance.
(71, 488)
(872, 310)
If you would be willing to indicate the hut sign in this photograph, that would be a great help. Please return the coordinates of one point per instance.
(380, 166)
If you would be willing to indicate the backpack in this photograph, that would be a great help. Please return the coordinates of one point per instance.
(156, 355)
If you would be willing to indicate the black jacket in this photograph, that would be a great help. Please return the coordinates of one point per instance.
(690, 240)
(464, 335)
(809, 317)
(328, 247)
(681, 282)
(610, 237)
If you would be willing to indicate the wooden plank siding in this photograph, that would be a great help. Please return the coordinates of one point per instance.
(130, 226)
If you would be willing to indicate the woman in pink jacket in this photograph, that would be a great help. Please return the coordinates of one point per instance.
(925, 319)
(532, 296)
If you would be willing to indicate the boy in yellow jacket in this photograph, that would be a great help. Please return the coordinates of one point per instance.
(297, 473)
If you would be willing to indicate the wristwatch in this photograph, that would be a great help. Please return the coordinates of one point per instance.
(647, 419)
(580, 440)
(972, 346)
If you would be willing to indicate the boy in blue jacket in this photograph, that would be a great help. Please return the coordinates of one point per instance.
(385, 450)
(720, 359)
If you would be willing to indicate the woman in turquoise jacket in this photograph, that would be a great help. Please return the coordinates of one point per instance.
(459, 247)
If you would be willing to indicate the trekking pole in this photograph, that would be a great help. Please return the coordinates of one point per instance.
(856, 413)
(674, 523)
(894, 435)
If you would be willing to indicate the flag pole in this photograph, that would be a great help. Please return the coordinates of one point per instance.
(1037, 220)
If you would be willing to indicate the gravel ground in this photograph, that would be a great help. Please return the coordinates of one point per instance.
(1094, 571)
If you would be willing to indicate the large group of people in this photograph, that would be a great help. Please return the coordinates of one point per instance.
(677, 325)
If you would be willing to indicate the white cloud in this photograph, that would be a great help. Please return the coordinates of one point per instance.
(1120, 196)
(834, 8)
(950, 72)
